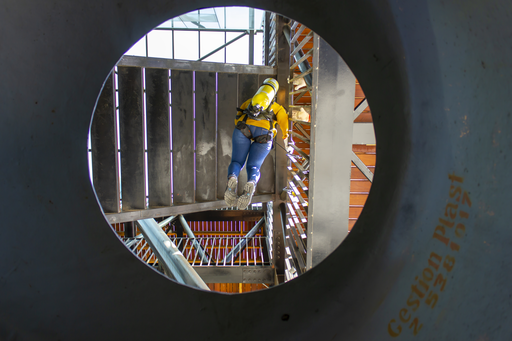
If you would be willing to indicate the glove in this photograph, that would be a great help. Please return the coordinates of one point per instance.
(288, 147)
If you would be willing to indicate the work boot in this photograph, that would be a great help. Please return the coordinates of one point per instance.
(230, 196)
(246, 197)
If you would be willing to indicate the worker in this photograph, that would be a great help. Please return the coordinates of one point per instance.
(252, 140)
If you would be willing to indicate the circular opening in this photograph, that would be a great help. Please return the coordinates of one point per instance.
(161, 143)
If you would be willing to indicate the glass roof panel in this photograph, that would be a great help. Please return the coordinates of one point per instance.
(237, 17)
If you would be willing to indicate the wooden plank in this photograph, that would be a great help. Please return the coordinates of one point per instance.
(365, 117)
(159, 157)
(305, 147)
(351, 223)
(358, 100)
(304, 100)
(182, 137)
(364, 148)
(104, 150)
(368, 159)
(357, 186)
(357, 174)
(359, 91)
(354, 212)
(358, 199)
(206, 135)
(131, 138)
(226, 108)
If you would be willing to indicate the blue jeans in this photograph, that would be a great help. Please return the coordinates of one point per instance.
(254, 152)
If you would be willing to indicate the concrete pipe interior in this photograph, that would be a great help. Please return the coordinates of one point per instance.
(431, 242)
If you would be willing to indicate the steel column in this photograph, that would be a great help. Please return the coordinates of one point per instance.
(283, 72)
(362, 167)
(251, 36)
(332, 118)
(169, 257)
(363, 133)
(204, 257)
(233, 254)
(132, 136)
(236, 274)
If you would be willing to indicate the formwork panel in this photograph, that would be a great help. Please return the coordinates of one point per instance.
(104, 150)
(247, 87)
(182, 136)
(226, 107)
(157, 116)
(205, 128)
(131, 138)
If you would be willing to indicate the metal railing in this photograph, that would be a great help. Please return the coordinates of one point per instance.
(294, 213)
(251, 251)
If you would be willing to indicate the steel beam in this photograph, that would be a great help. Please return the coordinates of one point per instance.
(236, 274)
(302, 75)
(283, 73)
(301, 60)
(299, 56)
(223, 46)
(226, 215)
(234, 30)
(363, 133)
(360, 108)
(175, 64)
(300, 137)
(362, 167)
(169, 257)
(129, 229)
(296, 35)
(175, 210)
(166, 221)
(202, 254)
(233, 254)
(329, 179)
(251, 36)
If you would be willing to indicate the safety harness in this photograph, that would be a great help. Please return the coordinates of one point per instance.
(242, 125)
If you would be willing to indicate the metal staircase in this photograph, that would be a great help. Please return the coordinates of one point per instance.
(161, 145)
(237, 256)
(302, 42)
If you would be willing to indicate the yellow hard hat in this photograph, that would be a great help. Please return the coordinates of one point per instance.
(264, 96)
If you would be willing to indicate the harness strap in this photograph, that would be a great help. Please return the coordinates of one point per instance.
(242, 126)
(270, 116)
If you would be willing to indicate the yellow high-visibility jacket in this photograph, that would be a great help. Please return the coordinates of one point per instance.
(281, 115)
